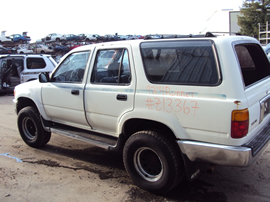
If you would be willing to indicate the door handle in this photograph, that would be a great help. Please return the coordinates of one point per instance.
(75, 92)
(121, 97)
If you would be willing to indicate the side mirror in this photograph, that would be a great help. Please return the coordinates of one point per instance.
(43, 77)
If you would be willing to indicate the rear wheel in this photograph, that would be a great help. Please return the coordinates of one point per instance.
(31, 129)
(153, 162)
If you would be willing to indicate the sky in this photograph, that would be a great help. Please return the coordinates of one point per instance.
(40, 18)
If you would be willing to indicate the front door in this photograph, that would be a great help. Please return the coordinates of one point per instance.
(63, 97)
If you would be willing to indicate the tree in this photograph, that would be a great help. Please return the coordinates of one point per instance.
(252, 14)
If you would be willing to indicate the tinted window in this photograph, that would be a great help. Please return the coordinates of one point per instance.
(111, 66)
(72, 68)
(35, 63)
(253, 62)
(183, 62)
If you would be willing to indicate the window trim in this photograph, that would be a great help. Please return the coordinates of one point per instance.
(85, 70)
(120, 66)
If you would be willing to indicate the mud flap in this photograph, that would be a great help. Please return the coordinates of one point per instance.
(193, 169)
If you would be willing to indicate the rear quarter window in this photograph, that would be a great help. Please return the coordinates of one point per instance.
(253, 62)
(180, 62)
(35, 63)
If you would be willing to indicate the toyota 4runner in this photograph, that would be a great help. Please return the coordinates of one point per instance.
(165, 103)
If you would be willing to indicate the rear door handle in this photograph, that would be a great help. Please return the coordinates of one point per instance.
(121, 97)
(75, 92)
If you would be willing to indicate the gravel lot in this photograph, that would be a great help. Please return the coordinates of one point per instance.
(69, 170)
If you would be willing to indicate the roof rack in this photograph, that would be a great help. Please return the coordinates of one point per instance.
(168, 36)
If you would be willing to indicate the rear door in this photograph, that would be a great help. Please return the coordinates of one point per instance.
(109, 93)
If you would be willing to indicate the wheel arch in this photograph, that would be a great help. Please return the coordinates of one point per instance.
(24, 102)
(132, 126)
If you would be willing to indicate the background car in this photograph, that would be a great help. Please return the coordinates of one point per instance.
(109, 37)
(4, 50)
(72, 37)
(40, 48)
(4, 39)
(24, 49)
(20, 38)
(131, 37)
(123, 37)
(60, 48)
(54, 37)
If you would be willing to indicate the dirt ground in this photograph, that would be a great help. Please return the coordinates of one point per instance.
(69, 170)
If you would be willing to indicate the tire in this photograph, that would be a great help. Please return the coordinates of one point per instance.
(153, 162)
(31, 129)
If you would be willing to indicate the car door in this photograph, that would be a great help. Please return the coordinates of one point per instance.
(63, 97)
(109, 93)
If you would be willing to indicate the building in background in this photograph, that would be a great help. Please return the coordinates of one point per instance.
(223, 22)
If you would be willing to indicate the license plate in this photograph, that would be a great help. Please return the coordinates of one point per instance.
(265, 107)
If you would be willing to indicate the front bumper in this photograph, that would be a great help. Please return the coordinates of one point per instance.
(241, 156)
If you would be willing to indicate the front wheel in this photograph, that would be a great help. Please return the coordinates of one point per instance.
(31, 129)
(153, 162)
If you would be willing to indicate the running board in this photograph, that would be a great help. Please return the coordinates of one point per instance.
(96, 139)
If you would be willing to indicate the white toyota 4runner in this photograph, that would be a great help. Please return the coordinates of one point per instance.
(166, 103)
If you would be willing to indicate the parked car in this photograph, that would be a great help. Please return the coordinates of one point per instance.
(74, 45)
(87, 37)
(40, 48)
(72, 37)
(166, 104)
(109, 37)
(131, 37)
(24, 49)
(4, 50)
(60, 48)
(20, 68)
(4, 39)
(20, 38)
(140, 36)
(54, 37)
(123, 37)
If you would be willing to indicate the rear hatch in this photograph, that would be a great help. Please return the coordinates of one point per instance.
(255, 70)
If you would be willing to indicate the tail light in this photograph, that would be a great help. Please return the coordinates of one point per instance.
(240, 123)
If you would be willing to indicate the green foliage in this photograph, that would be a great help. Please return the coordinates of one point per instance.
(253, 13)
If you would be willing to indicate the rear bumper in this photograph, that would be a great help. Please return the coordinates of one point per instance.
(241, 156)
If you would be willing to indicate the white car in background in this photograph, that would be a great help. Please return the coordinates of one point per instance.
(55, 37)
(3, 38)
(40, 48)
(24, 49)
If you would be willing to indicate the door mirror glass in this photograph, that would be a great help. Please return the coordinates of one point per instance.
(43, 77)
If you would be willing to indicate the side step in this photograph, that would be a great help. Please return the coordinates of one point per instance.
(96, 139)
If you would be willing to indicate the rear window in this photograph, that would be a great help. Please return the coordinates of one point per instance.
(180, 62)
(253, 62)
(35, 63)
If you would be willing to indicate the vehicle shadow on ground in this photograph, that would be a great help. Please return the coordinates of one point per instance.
(103, 159)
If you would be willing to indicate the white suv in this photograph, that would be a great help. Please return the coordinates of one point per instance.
(16, 69)
(166, 103)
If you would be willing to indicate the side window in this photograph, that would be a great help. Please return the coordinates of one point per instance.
(253, 62)
(183, 62)
(72, 68)
(35, 63)
(111, 67)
